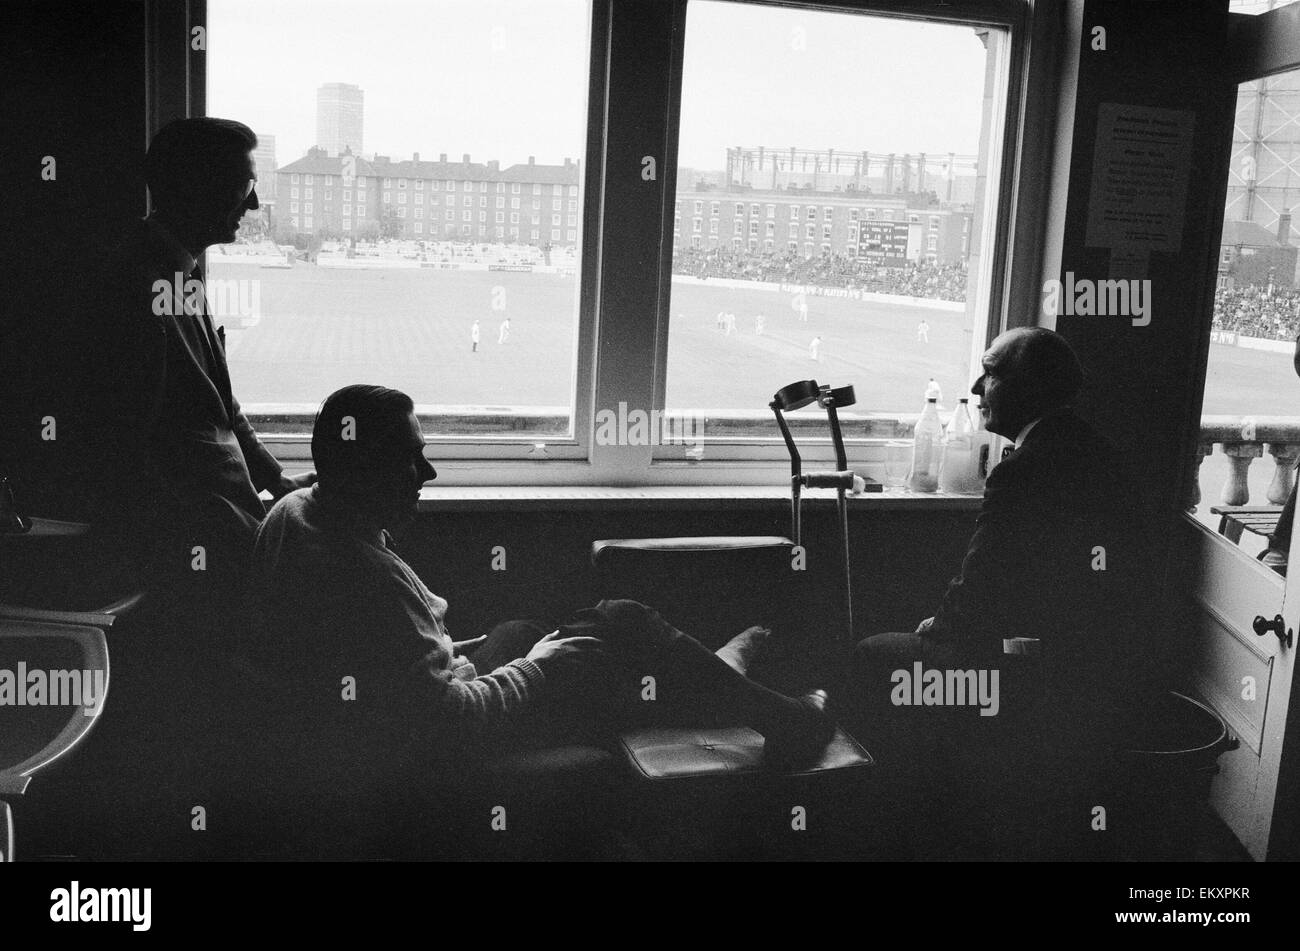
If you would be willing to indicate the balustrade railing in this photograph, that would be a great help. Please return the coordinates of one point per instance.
(1242, 440)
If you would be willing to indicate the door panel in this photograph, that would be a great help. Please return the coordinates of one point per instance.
(1245, 676)
(1234, 672)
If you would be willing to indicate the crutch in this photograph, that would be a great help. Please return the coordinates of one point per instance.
(796, 396)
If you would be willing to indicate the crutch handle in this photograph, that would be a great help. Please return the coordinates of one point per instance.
(828, 480)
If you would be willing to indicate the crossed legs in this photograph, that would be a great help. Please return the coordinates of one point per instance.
(654, 673)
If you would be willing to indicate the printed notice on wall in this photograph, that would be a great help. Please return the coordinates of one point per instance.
(1139, 177)
(1129, 264)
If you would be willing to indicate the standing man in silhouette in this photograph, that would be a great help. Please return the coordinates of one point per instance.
(171, 472)
(179, 466)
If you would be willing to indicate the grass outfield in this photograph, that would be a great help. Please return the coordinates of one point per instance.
(323, 328)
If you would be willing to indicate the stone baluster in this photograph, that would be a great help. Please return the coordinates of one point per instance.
(1236, 490)
(1285, 456)
(1202, 450)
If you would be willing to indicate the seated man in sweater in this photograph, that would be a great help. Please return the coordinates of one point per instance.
(343, 619)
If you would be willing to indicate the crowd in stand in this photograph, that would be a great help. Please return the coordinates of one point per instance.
(1254, 312)
(934, 281)
(1250, 311)
(462, 252)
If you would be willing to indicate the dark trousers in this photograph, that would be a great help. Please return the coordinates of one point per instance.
(650, 673)
(1026, 776)
(909, 735)
(940, 762)
(155, 754)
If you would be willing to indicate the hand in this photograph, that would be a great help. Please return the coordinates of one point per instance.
(553, 651)
(924, 626)
(289, 484)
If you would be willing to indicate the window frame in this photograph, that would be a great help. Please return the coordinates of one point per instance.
(1010, 104)
(612, 365)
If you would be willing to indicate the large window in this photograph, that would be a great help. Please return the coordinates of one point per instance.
(791, 116)
(813, 110)
(502, 102)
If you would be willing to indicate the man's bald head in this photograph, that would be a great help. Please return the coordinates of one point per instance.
(1027, 372)
(1045, 361)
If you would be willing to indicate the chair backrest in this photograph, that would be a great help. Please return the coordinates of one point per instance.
(43, 732)
(712, 587)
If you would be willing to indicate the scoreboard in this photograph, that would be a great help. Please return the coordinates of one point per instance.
(885, 243)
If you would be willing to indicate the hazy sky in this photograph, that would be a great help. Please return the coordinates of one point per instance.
(506, 79)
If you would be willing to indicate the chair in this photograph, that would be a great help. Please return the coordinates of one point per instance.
(706, 789)
(1256, 519)
(40, 738)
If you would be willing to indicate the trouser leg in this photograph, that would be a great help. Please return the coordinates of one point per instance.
(662, 671)
(908, 730)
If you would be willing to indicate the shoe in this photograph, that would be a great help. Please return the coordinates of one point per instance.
(804, 744)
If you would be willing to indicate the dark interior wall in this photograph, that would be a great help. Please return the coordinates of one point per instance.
(901, 560)
(74, 90)
(1145, 382)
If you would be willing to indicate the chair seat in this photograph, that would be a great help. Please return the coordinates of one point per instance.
(675, 753)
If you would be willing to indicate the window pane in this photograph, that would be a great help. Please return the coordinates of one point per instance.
(1251, 408)
(405, 103)
(869, 186)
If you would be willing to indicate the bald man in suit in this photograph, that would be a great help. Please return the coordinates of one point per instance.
(1051, 555)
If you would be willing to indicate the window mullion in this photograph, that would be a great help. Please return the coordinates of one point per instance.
(637, 178)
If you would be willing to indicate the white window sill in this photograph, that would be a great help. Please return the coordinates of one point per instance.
(510, 497)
